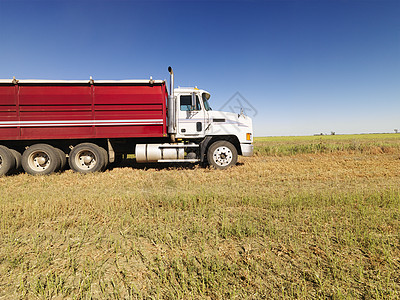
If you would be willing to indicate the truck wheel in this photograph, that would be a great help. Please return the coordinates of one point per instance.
(40, 159)
(7, 161)
(87, 158)
(105, 155)
(63, 159)
(222, 155)
(18, 159)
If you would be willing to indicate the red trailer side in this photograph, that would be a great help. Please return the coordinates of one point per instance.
(60, 110)
(8, 112)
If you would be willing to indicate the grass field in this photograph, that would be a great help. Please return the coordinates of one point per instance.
(305, 217)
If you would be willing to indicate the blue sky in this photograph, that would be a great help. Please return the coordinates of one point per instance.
(306, 66)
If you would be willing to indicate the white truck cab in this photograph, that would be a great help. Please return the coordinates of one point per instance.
(198, 133)
(196, 119)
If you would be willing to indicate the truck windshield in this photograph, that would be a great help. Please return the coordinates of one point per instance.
(205, 97)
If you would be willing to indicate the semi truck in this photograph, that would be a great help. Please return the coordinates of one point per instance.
(91, 123)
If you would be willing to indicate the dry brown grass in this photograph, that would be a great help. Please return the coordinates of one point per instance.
(322, 225)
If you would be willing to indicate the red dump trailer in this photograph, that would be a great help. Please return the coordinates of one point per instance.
(58, 114)
(32, 109)
(95, 122)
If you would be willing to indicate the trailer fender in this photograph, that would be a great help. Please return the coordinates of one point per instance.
(111, 153)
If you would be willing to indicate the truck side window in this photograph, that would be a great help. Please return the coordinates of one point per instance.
(186, 102)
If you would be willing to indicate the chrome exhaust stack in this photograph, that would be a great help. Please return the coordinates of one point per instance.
(171, 107)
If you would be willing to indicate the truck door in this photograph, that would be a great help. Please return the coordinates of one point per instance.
(191, 117)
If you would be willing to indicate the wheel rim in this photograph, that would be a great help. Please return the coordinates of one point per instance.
(1, 161)
(85, 160)
(222, 156)
(39, 161)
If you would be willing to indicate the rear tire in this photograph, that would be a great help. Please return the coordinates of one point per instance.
(18, 160)
(222, 155)
(63, 159)
(7, 161)
(88, 158)
(40, 159)
(105, 155)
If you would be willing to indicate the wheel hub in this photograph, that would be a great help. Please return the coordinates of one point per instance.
(222, 156)
(39, 161)
(87, 159)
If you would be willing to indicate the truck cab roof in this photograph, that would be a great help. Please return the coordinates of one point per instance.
(189, 90)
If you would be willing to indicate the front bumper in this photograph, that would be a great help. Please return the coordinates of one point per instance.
(247, 149)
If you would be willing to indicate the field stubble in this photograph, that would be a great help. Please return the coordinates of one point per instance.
(312, 223)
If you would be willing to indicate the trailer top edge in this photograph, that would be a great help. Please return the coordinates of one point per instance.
(40, 81)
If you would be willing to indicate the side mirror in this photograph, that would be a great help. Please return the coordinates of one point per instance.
(193, 106)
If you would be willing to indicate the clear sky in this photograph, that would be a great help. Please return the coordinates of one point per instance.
(305, 66)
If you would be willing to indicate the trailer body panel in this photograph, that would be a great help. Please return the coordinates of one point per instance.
(36, 111)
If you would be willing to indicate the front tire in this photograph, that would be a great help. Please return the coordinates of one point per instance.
(222, 155)
(40, 159)
(88, 158)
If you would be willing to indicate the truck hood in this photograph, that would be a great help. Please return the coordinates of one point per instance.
(230, 118)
